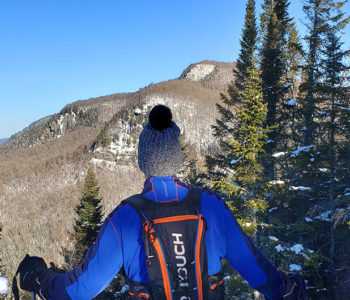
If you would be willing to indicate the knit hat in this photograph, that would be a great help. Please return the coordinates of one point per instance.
(159, 151)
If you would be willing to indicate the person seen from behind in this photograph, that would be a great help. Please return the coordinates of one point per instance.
(170, 239)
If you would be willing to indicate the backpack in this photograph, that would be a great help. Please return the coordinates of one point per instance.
(175, 250)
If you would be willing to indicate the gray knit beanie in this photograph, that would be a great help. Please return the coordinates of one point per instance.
(159, 151)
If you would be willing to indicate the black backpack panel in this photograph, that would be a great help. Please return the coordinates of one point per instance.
(174, 239)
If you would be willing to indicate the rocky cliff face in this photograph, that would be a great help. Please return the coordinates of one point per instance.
(192, 98)
(210, 74)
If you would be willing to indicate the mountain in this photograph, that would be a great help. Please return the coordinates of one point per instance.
(3, 141)
(43, 166)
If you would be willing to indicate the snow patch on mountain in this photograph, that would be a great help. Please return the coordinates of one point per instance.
(185, 111)
(109, 165)
(200, 71)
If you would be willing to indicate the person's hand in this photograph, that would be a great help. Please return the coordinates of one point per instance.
(30, 270)
(295, 288)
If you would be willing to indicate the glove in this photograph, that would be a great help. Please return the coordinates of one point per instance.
(30, 270)
(295, 288)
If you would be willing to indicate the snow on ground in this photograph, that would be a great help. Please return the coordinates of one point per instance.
(138, 111)
(297, 248)
(276, 182)
(279, 248)
(324, 216)
(295, 153)
(120, 147)
(60, 123)
(308, 219)
(270, 141)
(273, 238)
(278, 154)
(233, 161)
(124, 289)
(323, 113)
(107, 164)
(294, 267)
(299, 188)
(4, 286)
(200, 71)
(291, 102)
(305, 256)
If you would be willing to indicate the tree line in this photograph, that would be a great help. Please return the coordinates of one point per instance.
(283, 150)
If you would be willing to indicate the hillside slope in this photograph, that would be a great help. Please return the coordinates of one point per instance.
(3, 141)
(43, 166)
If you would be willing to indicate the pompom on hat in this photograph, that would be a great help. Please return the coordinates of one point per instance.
(159, 150)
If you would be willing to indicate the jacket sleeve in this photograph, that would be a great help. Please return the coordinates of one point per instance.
(250, 262)
(101, 263)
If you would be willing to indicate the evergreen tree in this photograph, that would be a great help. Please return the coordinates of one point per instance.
(314, 187)
(245, 187)
(218, 162)
(248, 47)
(86, 228)
(293, 61)
(89, 212)
(319, 17)
(275, 22)
(288, 111)
(335, 97)
(189, 171)
(88, 223)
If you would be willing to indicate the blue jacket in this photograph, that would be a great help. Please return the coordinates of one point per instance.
(119, 242)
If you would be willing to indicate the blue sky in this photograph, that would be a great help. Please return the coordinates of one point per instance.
(54, 52)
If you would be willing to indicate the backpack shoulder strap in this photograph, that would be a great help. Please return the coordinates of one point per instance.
(194, 196)
(138, 202)
(141, 204)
